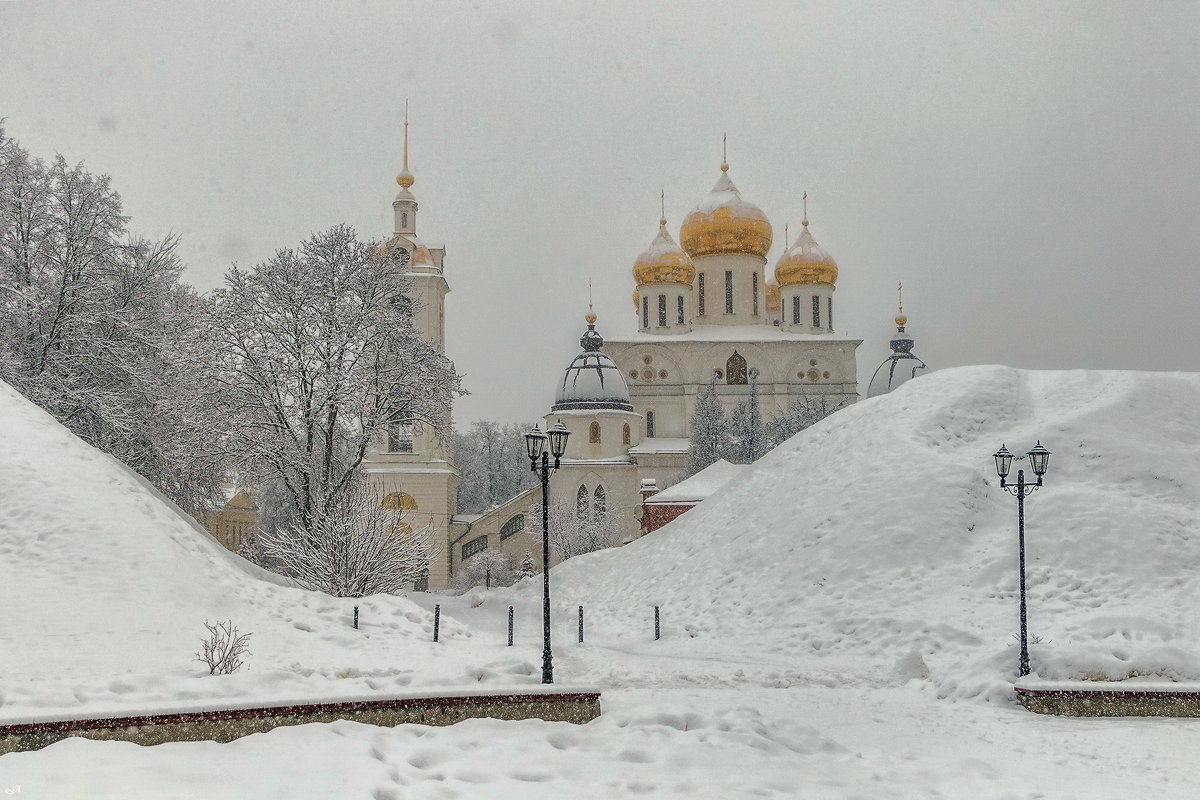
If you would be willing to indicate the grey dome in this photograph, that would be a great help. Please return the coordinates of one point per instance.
(592, 380)
(900, 367)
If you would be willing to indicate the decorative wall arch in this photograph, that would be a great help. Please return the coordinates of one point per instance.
(736, 373)
(399, 501)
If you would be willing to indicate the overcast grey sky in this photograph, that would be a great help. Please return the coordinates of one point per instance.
(1031, 171)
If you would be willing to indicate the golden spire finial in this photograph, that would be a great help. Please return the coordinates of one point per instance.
(405, 178)
(591, 315)
(901, 320)
(724, 152)
(804, 221)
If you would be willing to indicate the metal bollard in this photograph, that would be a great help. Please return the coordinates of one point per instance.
(581, 624)
(356, 618)
(657, 628)
(510, 621)
(437, 620)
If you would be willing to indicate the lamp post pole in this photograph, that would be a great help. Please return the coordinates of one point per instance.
(539, 462)
(1039, 458)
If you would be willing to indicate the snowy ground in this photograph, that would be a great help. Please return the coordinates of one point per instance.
(837, 622)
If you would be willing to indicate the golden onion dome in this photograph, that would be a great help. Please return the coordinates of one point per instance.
(806, 262)
(774, 301)
(725, 223)
(663, 262)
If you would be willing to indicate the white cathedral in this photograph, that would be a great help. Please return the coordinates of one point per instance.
(706, 307)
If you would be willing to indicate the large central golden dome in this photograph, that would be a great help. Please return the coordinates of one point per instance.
(806, 262)
(725, 223)
(663, 262)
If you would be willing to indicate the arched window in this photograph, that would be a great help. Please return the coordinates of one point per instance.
(735, 369)
(404, 219)
(625, 434)
(649, 424)
(512, 527)
(599, 503)
(583, 502)
(594, 433)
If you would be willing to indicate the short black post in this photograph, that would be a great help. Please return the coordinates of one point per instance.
(510, 620)
(437, 620)
(657, 628)
(581, 624)
(356, 618)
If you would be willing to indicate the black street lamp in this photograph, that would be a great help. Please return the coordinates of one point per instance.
(1039, 459)
(535, 445)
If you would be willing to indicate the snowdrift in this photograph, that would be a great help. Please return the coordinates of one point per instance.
(106, 587)
(879, 541)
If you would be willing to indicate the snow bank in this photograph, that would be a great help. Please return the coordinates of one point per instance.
(878, 544)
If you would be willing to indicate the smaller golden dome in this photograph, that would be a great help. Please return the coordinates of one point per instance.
(725, 223)
(901, 321)
(591, 318)
(405, 179)
(806, 262)
(663, 262)
(774, 302)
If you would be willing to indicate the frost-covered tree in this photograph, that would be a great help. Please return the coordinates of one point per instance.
(528, 567)
(97, 327)
(492, 465)
(747, 435)
(353, 549)
(487, 568)
(317, 355)
(708, 430)
(576, 528)
(803, 410)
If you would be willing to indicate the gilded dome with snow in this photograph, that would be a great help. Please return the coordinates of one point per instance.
(725, 223)
(663, 262)
(806, 262)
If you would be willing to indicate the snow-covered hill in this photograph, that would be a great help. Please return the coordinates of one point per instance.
(883, 531)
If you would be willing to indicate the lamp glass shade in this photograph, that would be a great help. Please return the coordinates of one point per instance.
(558, 439)
(1039, 459)
(1003, 461)
(535, 442)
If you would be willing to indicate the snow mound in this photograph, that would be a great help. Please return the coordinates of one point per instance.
(880, 543)
(107, 586)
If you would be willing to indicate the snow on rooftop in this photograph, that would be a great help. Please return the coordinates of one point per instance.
(660, 445)
(701, 485)
(728, 333)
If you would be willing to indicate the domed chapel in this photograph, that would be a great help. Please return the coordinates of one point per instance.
(707, 309)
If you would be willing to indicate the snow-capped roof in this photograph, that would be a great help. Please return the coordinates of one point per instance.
(731, 333)
(701, 485)
(664, 445)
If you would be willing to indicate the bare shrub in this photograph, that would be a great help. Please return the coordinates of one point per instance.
(222, 651)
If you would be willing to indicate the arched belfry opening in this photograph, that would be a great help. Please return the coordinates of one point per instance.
(735, 369)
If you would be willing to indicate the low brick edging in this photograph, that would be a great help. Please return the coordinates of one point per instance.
(225, 725)
(1088, 702)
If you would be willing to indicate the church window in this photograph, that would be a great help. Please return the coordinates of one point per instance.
(645, 311)
(599, 503)
(829, 319)
(404, 220)
(583, 502)
(735, 369)
(512, 527)
(816, 311)
(662, 311)
(400, 436)
(700, 297)
(796, 309)
(680, 304)
(728, 291)
(594, 433)
(474, 546)
(625, 434)
(649, 424)
(754, 280)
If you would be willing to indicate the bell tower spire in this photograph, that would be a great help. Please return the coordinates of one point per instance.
(404, 207)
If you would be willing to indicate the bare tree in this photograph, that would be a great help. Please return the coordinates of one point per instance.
(222, 651)
(491, 461)
(353, 549)
(317, 357)
(575, 530)
(486, 568)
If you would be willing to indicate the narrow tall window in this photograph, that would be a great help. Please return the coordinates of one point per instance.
(400, 436)
(645, 311)
(829, 319)
(700, 299)
(649, 424)
(728, 291)
(594, 433)
(404, 220)
(599, 503)
(583, 502)
(816, 311)
(795, 309)
(662, 311)
(680, 304)
(754, 280)
(625, 434)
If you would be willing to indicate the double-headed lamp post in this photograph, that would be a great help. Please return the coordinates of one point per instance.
(539, 462)
(1039, 459)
